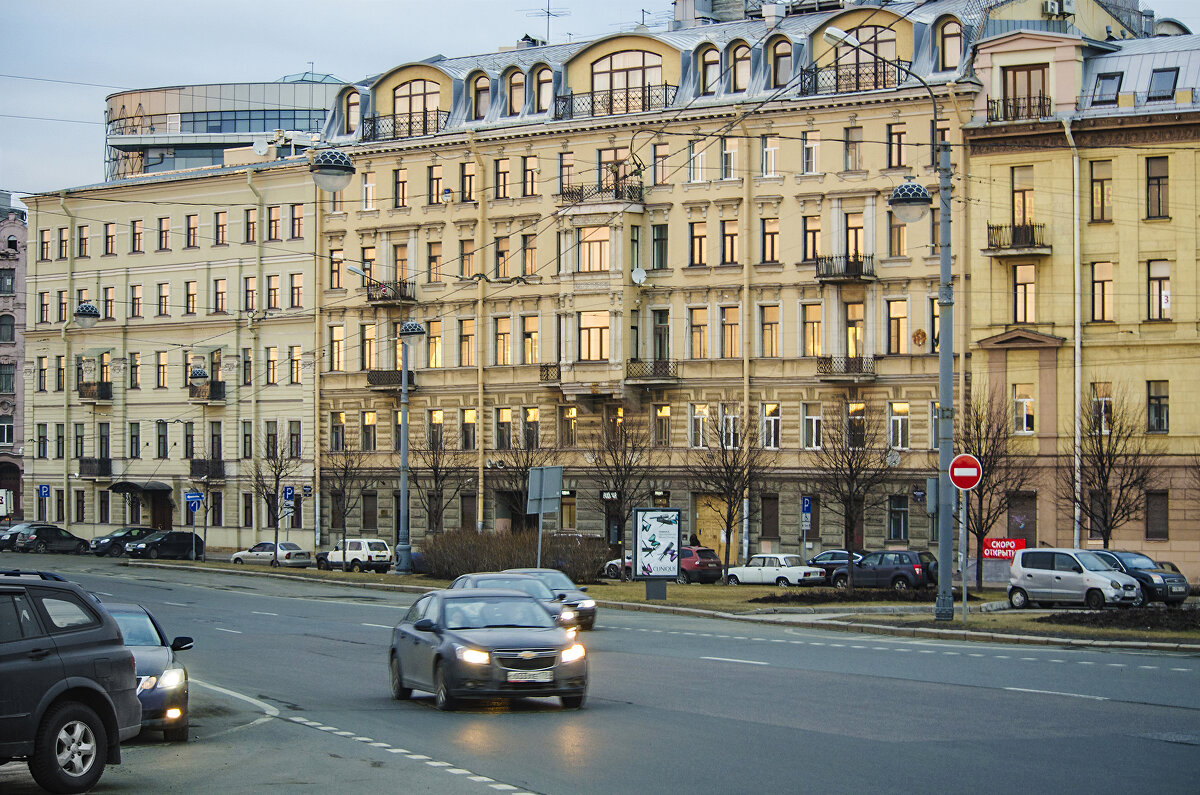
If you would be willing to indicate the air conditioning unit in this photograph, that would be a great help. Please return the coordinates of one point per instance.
(1068, 6)
(1050, 8)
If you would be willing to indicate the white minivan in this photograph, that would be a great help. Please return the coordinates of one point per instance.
(1075, 576)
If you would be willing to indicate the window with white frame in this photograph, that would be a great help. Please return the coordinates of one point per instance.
(897, 517)
(697, 420)
(729, 150)
(731, 426)
(899, 424)
(812, 426)
(770, 426)
(1023, 416)
(696, 161)
(770, 155)
(934, 437)
(810, 143)
(1102, 407)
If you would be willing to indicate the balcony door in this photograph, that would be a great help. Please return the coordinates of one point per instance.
(854, 330)
(1024, 82)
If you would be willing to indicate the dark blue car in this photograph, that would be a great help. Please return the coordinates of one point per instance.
(162, 679)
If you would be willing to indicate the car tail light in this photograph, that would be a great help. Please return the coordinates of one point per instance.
(288, 556)
(917, 569)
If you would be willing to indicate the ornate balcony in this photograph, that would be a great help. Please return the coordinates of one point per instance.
(404, 125)
(389, 380)
(209, 469)
(614, 102)
(212, 392)
(846, 368)
(846, 268)
(849, 78)
(1019, 108)
(550, 373)
(658, 370)
(95, 467)
(392, 292)
(95, 392)
(1016, 240)
(626, 190)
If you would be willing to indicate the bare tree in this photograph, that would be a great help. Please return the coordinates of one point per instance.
(984, 432)
(439, 473)
(267, 475)
(1116, 463)
(344, 475)
(730, 465)
(512, 478)
(623, 459)
(852, 467)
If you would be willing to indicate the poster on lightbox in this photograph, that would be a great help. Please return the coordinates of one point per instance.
(656, 542)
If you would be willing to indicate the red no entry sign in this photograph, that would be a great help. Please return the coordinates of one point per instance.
(965, 471)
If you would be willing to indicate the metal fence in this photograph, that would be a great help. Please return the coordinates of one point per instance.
(1016, 235)
(404, 125)
(1016, 108)
(614, 101)
(848, 78)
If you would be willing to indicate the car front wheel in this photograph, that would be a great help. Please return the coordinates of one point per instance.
(574, 702)
(71, 749)
(682, 578)
(612, 571)
(238, 561)
(900, 584)
(1094, 600)
(115, 551)
(782, 582)
(40, 546)
(442, 699)
(839, 581)
(322, 564)
(152, 554)
(399, 691)
(1142, 598)
(81, 548)
(733, 580)
(355, 566)
(1018, 599)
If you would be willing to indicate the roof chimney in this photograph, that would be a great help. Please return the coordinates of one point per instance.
(773, 14)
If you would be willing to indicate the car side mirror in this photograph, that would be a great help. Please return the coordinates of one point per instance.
(182, 643)
(858, 563)
(425, 625)
(1077, 569)
(558, 597)
(583, 588)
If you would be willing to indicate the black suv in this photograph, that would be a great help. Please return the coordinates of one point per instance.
(900, 569)
(68, 684)
(167, 544)
(1158, 583)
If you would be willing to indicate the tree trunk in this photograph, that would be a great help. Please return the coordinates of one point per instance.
(725, 572)
(978, 547)
(848, 533)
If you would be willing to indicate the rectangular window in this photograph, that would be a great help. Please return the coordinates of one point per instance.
(854, 329)
(189, 298)
(897, 327)
(770, 240)
(698, 332)
(529, 175)
(566, 170)
(162, 438)
(247, 509)
(662, 425)
(1102, 291)
(247, 367)
(503, 174)
(1023, 411)
(593, 336)
(658, 246)
(164, 234)
(62, 306)
(855, 235)
(220, 228)
(466, 258)
(770, 426)
(296, 221)
(250, 225)
(531, 437)
(810, 147)
(43, 307)
(160, 370)
(189, 440)
(502, 257)
(1159, 289)
(368, 190)
(812, 426)
(1101, 407)
(337, 348)
(696, 161)
(729, 151)
(697, 243)
(135, 370)
(433, 194)
(899, 425)
(109, 303)
(367, 438)
(897, 517)
(568, 419)
(64, 242)
(895, 146)
(295, 290)
(529, 339)
(337, 432)
(529, 254)
(770, 155)
(110, 239)
(731, 337)
(729, 242)
(250, 293)
(812, 237)
(1157, 506)
(1023, 294)
(42, 370)
(697, 420)
(273, 291)
(466, 182)
(856, 425)
(731, 426)
(293, 364)
(83, 240)
(467, 427)
(7, 378)
(433, 344)
(503, 341)
(1022, 195)
(219, 293)
(466, 343)
(1101, 190)
(503, 429)
(1157, 406)
(434, 254)
(897, 236)
(164, 299)
(660, 170)
(400, 187)
(770, 331)
(852, 154)
(272, 365)
(594, 248)
(935, 231)
(135, 300)
(1107, 88)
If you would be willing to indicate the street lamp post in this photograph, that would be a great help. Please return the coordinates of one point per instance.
(910, 201)
(198, 377)
(409, 330)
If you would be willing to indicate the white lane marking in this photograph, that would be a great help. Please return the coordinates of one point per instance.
(974, 654)
(504, 787)
(262, 613)
(344, 734)
(1002, 657)
(1028, 659)
(1115, 665)
(398, 751)
(1148, 667)
(1055, 693)
(858, 647)
(816, 643)
(1085, 662)
(436, 763)
(1181, 669)
(481, 778)
(926, 651)
(264, 706)
(760, 640)
(458, 771)
(1056, 661)
(953, 653)
(365, 739)
(106, 593)
(381, 626)
(380, 745)
(173, 604)
(231, 631)
(327, 728)
(734, 660)
(418, 756)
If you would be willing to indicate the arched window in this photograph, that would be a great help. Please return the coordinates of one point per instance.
(7, 328)
(481, 95)
(741, 68)
(951, 44)
(710, 71)
(12, 242)
(516, 93)
(781, 63)
(858, 69)
(544, 80)
(353, 112)
(416, 96)
(629, 69)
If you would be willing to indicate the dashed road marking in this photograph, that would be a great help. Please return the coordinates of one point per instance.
(232, 631)
(262, 613)
(172, 604)
(380, 626)
(1181, 669)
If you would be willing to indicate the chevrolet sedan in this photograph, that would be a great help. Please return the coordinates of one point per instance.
(485, 644)
(781, 570)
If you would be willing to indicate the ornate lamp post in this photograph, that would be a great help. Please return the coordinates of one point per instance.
(198, 377)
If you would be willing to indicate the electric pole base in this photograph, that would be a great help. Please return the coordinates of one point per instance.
(943, 608)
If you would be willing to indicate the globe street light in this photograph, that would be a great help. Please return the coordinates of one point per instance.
(331, 170)
(408, 331)
(86, 315)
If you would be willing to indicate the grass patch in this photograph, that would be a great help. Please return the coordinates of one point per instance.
(1064, 625)
(836, 596)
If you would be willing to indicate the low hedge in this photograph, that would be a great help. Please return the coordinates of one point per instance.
(825, 596)
(450, 554)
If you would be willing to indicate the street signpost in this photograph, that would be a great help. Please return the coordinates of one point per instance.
(194, 499)
(965, 474)
(544, 496)
(805, 521)
(195, 502)
(44, 494)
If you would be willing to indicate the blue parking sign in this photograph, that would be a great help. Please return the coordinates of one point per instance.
(44, 491)
(289, 493)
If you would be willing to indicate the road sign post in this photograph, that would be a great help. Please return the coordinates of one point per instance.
(965, 474)
(544, 495)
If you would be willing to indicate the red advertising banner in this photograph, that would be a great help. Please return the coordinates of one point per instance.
(1002, 548)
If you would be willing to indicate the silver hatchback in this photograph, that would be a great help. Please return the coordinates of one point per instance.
(1075, 576)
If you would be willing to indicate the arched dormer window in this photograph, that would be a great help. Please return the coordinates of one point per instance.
(950, 41)
(353, 112)
(621, 83)
(710, 71)
(741, 68)
(7, 328)
(481, 96)
(516, 93)
(543, 81)
(860, 70)
(781, 63)
(416, 96)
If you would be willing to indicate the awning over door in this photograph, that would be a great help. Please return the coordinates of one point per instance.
(138, 486)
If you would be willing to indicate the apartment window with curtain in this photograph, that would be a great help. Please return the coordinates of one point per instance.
(466, 343)
(698, 332)
(337, 348)
(1157, 199)
(811, 227)
(529, 339)
(770, 240)
(164, 234)
(897, 327)
(697, 243)
(1159, 289)
(502, 257)
(768, 161)
(729, 242)
(1102, 406)
(1102, 291)
(400, 187)
(594, 248)
(368, 190)
(250, 225)
(1023, 294)
(593, 336)
(1101, 190)
(433, 193)
(810, 148)
(433, 344)
(503, 341)
(296, 221)
(275, 223)
(293, 364)
(731, 338)
(503, 173)
(770, 331)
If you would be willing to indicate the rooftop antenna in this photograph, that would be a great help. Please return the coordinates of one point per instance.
(310, 69)
(549, 13)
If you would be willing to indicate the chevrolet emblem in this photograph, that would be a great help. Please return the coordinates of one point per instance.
(527, 655)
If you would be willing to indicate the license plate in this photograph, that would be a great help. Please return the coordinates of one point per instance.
(1177, 589)
(531, 676)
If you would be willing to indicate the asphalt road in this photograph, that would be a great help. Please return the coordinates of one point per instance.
(675, 703)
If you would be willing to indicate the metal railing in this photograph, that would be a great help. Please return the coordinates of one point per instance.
(849, 78)
(391, 378)
(550, 372)
(208, 469)
(95, 467)
(1016, 108)
(614, 102)
(843, 266)
(404, 125)
(623, 191)
(95, 390)
(659, 368)
(213, 390)
(402, 290)
(845, 365)
(1016, 235)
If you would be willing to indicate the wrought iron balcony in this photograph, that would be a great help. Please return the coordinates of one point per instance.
(846, 268)
(656, 370)
(550, 373)
(627, 190)
(854, 367)
(209, 469)
(404, 125)
(849, 78)
(205, 393)
(1017, 237)
(1018, 108)
(614, 102)
(389, 292)
(92, 391)
(95, 467)
(390, 379)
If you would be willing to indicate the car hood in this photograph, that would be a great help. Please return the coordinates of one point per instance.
(572, 595)
(152, 660)
(512, 637)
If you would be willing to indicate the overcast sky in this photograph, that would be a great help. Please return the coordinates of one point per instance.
(52, 133)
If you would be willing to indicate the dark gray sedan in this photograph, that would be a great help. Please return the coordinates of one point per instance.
(572, 595)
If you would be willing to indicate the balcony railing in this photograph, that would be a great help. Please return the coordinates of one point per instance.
(390, 378)
(95, 390)
(402, 290)
(623, 191)
(213, 390)
(1017, 108)
(95, 467)
(659, 368)
(208, 469)
(845, 365)
(404, 125)
(614, 102)
(848, 78)
(1002, 236)
(847, 267)
(550, 373)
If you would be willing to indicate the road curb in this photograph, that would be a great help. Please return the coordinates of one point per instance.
(279, 575)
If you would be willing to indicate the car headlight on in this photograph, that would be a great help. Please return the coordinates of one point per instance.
(573, 653)
(587, 604)
(172, 677)
(1156, 579)
(472, 656)
(567, 615)
(148, 683)
(1115, 584)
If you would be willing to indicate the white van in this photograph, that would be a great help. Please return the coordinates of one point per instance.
(1075, 576)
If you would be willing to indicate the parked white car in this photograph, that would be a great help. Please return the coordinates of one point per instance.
(781, 570)
(265, 554)
(357, 554)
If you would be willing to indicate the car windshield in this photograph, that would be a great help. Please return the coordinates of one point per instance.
(138, 629)
(496, 611)
(555, 579)
(1136, 560)
(124, 531)
(792, 560)
(155, 537)
(1093, 562)
(529, 585)
(377, 546)
(288, 545)
(708, 554)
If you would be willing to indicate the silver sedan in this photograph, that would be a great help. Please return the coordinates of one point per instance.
(288, 554)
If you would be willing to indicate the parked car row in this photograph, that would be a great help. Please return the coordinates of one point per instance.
(1094, 578)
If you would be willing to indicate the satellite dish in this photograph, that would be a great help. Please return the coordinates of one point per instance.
(260, 146)
(638, 275)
